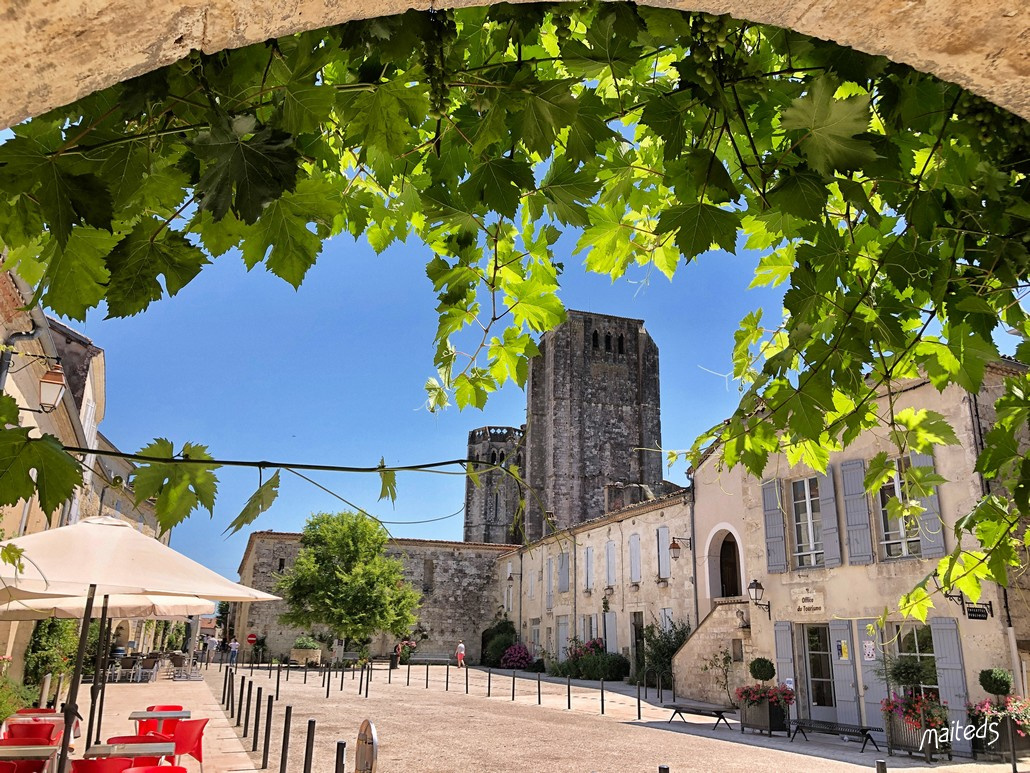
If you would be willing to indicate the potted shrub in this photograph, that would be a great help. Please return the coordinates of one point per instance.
(1000, 726)
(915, 720)
(306, 649)
(764, 707)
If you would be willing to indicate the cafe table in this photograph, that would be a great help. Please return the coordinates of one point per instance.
(160, 716)
(33, 752)
(160, 749)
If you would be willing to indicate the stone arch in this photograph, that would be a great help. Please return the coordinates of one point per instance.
(52, 57)
(714, 561)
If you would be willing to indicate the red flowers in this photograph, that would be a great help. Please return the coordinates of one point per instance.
(916, 708)
(753, 694)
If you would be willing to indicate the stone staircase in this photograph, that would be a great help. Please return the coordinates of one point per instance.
(726, 628)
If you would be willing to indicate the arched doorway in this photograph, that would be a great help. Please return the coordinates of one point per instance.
(729, 567)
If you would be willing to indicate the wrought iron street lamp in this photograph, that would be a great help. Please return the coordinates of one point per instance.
(755, 590)
(675, 548)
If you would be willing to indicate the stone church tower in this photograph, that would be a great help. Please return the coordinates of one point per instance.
(592, 406)
(492, 506)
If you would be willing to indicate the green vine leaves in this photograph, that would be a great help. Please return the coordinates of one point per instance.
(894, 207)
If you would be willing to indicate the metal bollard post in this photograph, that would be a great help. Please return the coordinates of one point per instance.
(285, 753)
(341, 757)
(309, 745)
(232, 696)
(328, 680)
(324, 672)
(538, 689)
(663, 769)
(368, 679)
(268, 735)
(466, 670)
(408, 683)
(602, 697)
(568, 692)
(881, 766)
(246, 716)
(660, 689)
(638, 700)
(221, 661)
(225, 685)
(257, 721)
(305, 673)
(361, 682)
(513, 684)
(389, 676)
(239, 710)
(251, 664)
(278, 675)
(427, 674)
(489, 675)
(287, 670)
(447, 679)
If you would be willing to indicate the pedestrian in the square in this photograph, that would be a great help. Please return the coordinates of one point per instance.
(459, 653)
(234, 650)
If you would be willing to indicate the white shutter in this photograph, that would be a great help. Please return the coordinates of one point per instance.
(609, 557)
(563, 572)
(664, 568)
(550, 583)
(588, 560)
(634, 558)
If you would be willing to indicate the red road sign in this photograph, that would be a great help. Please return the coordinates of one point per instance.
(251, 638)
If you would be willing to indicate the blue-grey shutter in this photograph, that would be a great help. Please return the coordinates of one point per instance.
(856, 512)
(931, 528)
(775, 537)
(828, 518)
(611, 632)
(951, 674)
(874, 686)
(664, 569)
(634, 558)
(563, 572)
(845, 682)
(784, 652)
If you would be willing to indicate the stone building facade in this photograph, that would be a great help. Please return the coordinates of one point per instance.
(456, 579)
(493, 500)
(593, 419)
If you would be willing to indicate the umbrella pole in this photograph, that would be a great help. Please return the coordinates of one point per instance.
(94, 689)
(105, 647)
(71, 710)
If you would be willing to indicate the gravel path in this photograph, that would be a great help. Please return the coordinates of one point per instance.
(433, 730)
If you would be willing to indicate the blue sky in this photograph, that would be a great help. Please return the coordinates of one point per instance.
(332, 374)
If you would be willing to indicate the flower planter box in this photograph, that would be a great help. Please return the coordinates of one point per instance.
(765, 717)
(303, 657)
(902, 736)
(1002, 747)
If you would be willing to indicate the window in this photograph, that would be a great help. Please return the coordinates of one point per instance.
(508, 594)
(607, 342)
(596, 340)
(428, 569)
(588, 573)
(588, 625)
(634, 558)
(563, 572)
(532, 585)
(609, 561)
(808, 538)
(665, 618)
(534, 637)
(900, 539)
(622, 349)
(282, 564)
(915, 642)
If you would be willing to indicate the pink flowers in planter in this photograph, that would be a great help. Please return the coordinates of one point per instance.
(754, 694)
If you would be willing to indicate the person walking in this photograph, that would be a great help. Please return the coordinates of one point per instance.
(459, 653)
(234, 651)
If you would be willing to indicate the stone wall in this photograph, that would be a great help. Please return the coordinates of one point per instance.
(726, 628)
(592, 407)
(459, 598)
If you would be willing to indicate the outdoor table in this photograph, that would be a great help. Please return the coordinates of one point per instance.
(25, 719)
(36, 752)
(161, 749)
(160, 716)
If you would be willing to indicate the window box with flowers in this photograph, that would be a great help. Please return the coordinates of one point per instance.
(908, 718)
(764, 707)
(1003, 723)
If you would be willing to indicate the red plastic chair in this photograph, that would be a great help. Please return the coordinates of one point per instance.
(155, 769)
(188, 739)
(30, 710)
(103, 765)
(144, 726)
(137, 739)
(8, 767)
(47, 731)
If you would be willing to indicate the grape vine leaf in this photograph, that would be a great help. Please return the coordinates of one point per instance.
(21, 457)
(830, 126)
(178, 488)
(260, 501)
(698, 226)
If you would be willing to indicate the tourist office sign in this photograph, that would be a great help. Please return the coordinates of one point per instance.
(808, 601)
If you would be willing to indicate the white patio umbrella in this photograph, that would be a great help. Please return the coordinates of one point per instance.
(107, 556)
(118, 605)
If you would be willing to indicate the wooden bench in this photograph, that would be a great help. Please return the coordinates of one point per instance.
(835, 728)
(719, 712)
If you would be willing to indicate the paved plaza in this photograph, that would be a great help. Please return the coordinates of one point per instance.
(433, 729)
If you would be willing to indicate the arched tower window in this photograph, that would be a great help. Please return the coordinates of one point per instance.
(622, 349)
(493, 457)
(607, 342)
(501, 458)
(596, 340)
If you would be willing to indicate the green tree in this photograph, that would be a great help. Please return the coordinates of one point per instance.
(343, 580)
(52, 649)
(893, 207)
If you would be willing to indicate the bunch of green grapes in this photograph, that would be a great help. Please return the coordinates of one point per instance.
(435, 48)
(712, 47)
(1004, 135)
